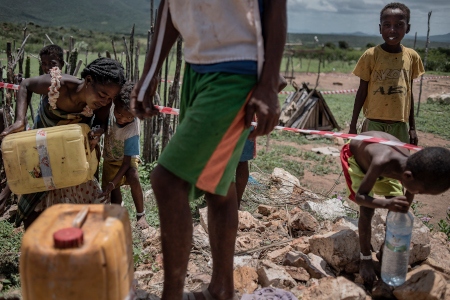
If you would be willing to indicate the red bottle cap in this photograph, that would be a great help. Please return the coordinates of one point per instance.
(68, 238)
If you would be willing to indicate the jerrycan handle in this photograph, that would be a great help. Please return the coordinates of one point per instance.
(80, 218)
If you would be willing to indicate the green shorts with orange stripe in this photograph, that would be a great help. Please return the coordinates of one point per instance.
(210, 137)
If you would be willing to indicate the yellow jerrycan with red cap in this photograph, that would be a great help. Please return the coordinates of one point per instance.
(76, 251)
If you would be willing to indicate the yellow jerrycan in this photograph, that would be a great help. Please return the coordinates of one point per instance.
(76, 251)
(49, 158)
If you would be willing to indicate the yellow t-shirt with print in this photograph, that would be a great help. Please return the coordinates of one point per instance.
(390, 76)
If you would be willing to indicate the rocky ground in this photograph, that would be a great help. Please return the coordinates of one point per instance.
(302, 243)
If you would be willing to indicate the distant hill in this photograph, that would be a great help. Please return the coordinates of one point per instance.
(360, 40)
(114, 16)
(443, 38)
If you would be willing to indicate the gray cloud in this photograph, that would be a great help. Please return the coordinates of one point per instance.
(343, 16)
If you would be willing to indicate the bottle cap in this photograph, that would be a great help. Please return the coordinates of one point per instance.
(68, 238)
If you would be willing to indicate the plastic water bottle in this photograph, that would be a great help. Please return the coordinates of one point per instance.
(396, 247)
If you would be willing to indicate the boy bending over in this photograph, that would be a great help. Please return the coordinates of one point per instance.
(375, 168)
(121, 154)
(386, 75)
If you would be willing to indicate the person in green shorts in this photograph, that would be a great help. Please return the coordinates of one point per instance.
(233, 50)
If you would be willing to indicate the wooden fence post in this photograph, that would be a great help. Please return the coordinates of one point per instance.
(424, 61)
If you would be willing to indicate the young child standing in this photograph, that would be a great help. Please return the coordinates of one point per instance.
(121, 154)
(386, 75)
(375, 168)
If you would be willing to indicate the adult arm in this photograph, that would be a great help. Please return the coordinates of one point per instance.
(413, 139)
(145, 108)
(264, 100)
(360, 98)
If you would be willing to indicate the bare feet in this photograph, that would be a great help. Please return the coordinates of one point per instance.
(367, 272)
(142, 223)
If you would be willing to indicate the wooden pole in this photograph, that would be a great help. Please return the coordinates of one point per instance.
(415, 40)
(7, 109)
(114, 49)
(127, 57)
(131, 54)
(136, 63)
(424, 61)
(318, 71)
(51, 42)
(77, 68)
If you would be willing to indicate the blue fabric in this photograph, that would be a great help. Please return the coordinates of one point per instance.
(131, 146)
(240, 67)
(247, 153)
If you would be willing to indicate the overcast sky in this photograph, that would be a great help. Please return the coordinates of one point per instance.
(347, 16)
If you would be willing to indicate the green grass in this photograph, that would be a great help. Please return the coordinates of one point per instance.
(433, 118)
(10, 241)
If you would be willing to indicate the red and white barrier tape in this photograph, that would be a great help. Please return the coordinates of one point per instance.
(9, 86)
(360, 137)
(350, 91)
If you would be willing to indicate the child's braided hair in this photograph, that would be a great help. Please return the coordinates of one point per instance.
(105, 70)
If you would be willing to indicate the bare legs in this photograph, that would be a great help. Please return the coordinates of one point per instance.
(132, 176)
(366, 267)
(171, 195)
(242, 174)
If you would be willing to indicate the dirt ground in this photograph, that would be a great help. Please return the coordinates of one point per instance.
(433, 206)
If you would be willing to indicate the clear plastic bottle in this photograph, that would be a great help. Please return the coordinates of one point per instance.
(396, 247)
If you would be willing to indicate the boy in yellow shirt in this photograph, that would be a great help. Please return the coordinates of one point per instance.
(386, 75)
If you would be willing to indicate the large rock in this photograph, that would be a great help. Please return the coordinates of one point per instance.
(279, 254)
(245, 279)
(301, 244)
(265, 210)
(299, 274)
(247, 241)
(345, 223)
(338, 288)
(270, 274)
(423, 283)
(200, 238)
(420, 239)
(314, 264)
(439, 98)
(439, 257)
(245, 261)
(143, 276)
(336, 248)
(302, 220)
(328, 210)
(285, 183)
(247, 221)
